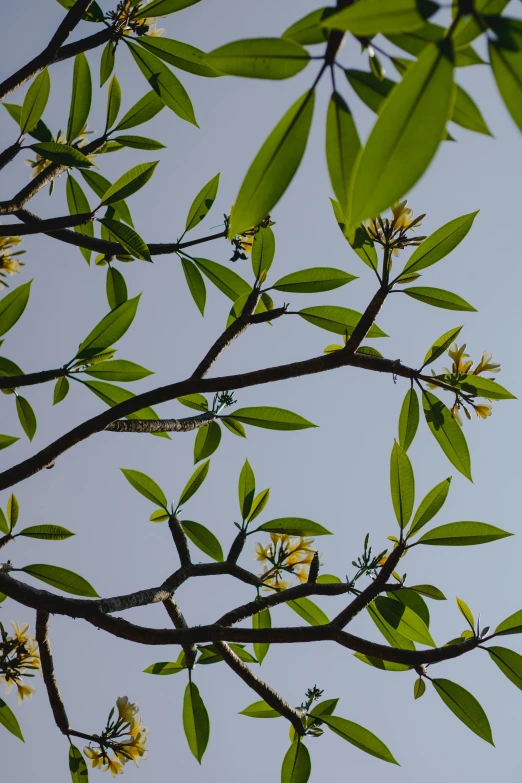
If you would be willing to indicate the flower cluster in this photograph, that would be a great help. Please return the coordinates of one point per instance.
(9, 265)
(123, 739)
(463, 365)
(19, 657)
(242, 243)
(285, 555)
(393, 232)
(124, 20)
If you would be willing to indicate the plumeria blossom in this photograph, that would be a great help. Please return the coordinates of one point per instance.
(285, 555)
(123, 739)
(393, 232)
(19, 657)
(9, 264)
(125, 21)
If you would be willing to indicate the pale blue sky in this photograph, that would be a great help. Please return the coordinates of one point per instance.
(336, 475)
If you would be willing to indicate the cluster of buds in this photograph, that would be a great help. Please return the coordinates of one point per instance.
(123, 739)
(19, 657)
(9, 264)
(242, 243)
(125, 22)
(285, 555)
(392, 233)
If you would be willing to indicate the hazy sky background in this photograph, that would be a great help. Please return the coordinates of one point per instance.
(336, 474)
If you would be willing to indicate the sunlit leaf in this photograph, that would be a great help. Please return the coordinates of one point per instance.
(202, 203)
(195, 721)
(204, 539)
(465, 707)
(447, 433)
(146, 487)
(62, 579)
(463, 534)
(359, 736)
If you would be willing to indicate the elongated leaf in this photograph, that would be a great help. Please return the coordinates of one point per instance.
(26, 416)
(207, 441)
(113, 395)
(204, 539)
(404, 620)
(447, 433)
(79, 205)
(480, 387)
(202, 203)
(369, 88)
(113, 102)
(259, 504)
(246, 489)
(260, 709)
(359, 736)
(509, 663)
(179, 54)
(93, 14)
(35, 102)
(342, 145)
(381, 16)
(297, 766)
(405, 137)
(235, 427)
(391, 634)
(408, 419)
(314, 280)
(13, 511)
(272, 418)
(40, 131)
(506, 62)
(419, 688)
(437, 297)
(62, 579)
(12, 306)
(118, 370)
(130, 182)
(465, 707)
(8, 720)
(308, 30)
(81, 97)
(107, 62)
(418, 40)
(139, 142)
(378, 663)
(160, 515)
(4, 527)
(294, 526)
(260, 58)
(263, 250)
(402, 485)
(273, 167)
(467, 114)
(77, 766)
(463, 534)
(46, 532)
(165, 668)
(116, 288)
(163, 7)
(100, 185)
(164, 83)
(429, 591)
(110, 329)
(195, 283)
(414, 601)
(128, 238)
(62, 154)
(261, 620)
(210, 654)
(326, 707)
(512, 624)
(194, 482)
(430, 505)
(228, 282)
(146, 487)
(195, 401)
(309, 611)
(195, 721)
(340, 320)
(142, 111)
(466, 613)
(440, 243)
(441, 345)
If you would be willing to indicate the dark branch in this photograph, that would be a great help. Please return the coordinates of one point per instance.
(176, 615)
(160, 425)
(8, 154)
(46, 658)
(14, 381)
(44, 226)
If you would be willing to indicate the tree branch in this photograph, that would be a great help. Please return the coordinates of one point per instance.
(44, 226)
(160, 425)
(176, 615)
(46, 658)
(180, 541)
(9, 153)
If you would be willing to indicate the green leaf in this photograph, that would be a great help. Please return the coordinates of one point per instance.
(359, 736)
(314, 280)
(46, 532)
(233, 426)
(195, 283)
(128, 238)
(239, 305)
(110, 329)
(369, 88)
(467, 114)
(392, 636)
(294, 526)
(328, 579)
(77, 766)
(12, 306)
(466, 613)
(62, 154)
(259, 504)
(447, 433)
(146, 487)
(419, 688)
(35, 102)
(210, 654)
(463, 534)
(402, 483)
(139, 142)
(228, 282)
(261, 620)
(309, 611)
(408, 419)
(378, 663)
(113, 103)
(13, 511)
(439, 244)
(164, 668)
(429, 591)
(116, 288)
(430, 506)
(297, 766)
(509, 663)
(204, 539)
(26, 416)
(132, 181)
(6, 441)
(437, 297)
(93, 14)
(272, 418)
(113, 395)
(415, 42)
(207, 441)
(160, 515)
(100, 185)
(118, 370)
(179, 54)
(404, 620)
(142, 111)
(202, 203)
(8, 720)
(381, 16)
(480, 387)
(4, 527)
(440, 345)
(195, 721)
(195, 401)
(260, 709)
(414, 601)
(263, 250)
(465, 707)
(273, 167)
(506, 62)
(260, 58)
(163, 7)
(40, 132)
(342, 145)
(194, 482)
(405, 137)
(80, 98)
(340, 320)
(308, 30)
(512, 624)
(7, 367)
(78, 204)
(246, 489)
(164, 83)
(62, 579)
(107, 62)
(326, 707)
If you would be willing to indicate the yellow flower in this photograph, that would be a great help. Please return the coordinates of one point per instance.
(485, 364)
(263, 552)
(24, 691)
(402, 217)
(114, 766)
(458, 356)
(95, 756)
(20, 631)
(126, 710)
(151, 23)
(456, 414)
(483, 410)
